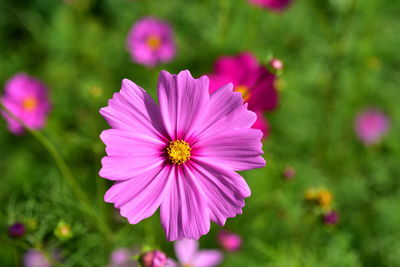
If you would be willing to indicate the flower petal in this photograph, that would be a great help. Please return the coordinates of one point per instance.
(133, 109)
(185, 250)
(182, 99)
(171, 263)
(139, 197)
(129, 154)
(184, 213)
(224, 111)
(224, 190)
(207, 258)
(238, 149)
(238, 69)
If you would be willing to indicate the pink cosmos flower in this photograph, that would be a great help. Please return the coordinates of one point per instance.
(229, 241)
(371, 125)
(275, 5)
(26, 98)
(251, 79)
(188, 254)
(180, 155)
(151, 41)
(35, 258)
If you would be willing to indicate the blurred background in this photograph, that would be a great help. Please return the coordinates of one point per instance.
(340, 57)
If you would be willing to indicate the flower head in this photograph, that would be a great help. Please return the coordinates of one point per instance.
(154, 259)
(188, 254)
(122, 257)
(17, 230)
(35, 258)
(151, 42)
(371, 125)
(63, 231)
(229, 241)
(252, 80)
(26, 98)
(289, 173)
(331, 218)
(180, 155)
(274, 5)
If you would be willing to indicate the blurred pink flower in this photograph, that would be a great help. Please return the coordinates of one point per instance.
(371, 125)
(154, 259)
(151, 41)
(289, 173)
(275, 5)
(122, 257)
(251, 79)
(331, 218)
(35, 258)
(188, 254)
(229, 241)
(180, 155)
(26, 98)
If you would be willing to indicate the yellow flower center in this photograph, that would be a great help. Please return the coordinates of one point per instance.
(186, 265)
(244, 90)
(153, 41)
(29, 103)
(178, 151)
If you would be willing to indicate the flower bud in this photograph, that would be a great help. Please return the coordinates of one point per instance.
(229, 241)
(17, 230)
(154, 258)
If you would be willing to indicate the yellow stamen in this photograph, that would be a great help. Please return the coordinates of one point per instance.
(29, 103)
(153, 41)
(186, 265)
(178, 151)
(244, 90)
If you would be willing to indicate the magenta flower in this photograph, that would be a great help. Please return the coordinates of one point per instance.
(35, 258)
(26, 98)
(180, 155)
(17, 230)
(154, 259)
(274, 5)
(188, 254)
(331, 218)
(371, 125)
(151, 41)
(251, 79)
(229, 241)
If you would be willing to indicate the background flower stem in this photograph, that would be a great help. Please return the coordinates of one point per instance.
(68, 177)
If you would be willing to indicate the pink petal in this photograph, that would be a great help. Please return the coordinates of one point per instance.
(237, 150)
(171, 263)
(207, 258)
(184, 213)
(133, 109)
(224, 111)
(185, 250)
(182, 99)
(240, 69)
(224, 189)
(139, 197)
(262, 124)
(264, 95)
(129, 154)
(218, 81)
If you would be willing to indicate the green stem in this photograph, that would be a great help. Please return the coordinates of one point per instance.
(67, 175)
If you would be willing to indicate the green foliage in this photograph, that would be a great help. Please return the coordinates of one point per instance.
(340, 56)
